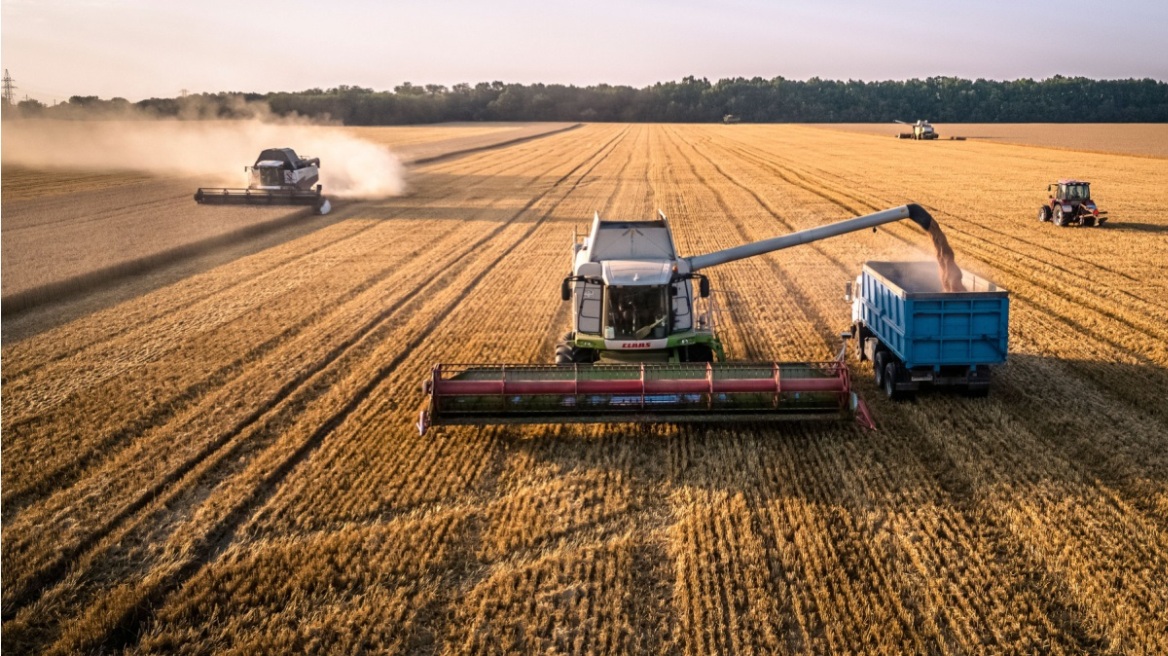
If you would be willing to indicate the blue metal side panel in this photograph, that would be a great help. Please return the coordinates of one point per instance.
(963, 330)
(883, 311)
(932, 331)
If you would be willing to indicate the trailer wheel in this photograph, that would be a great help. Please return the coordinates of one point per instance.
(891, 371)
(978, 392)
(1088, 221)
(1044, 214)
(878, 364)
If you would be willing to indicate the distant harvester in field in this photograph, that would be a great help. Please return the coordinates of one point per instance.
(922, 130)
(278, 177)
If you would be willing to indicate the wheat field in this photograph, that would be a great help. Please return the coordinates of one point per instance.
(224, 459)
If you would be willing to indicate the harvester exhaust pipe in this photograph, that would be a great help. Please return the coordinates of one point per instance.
(911, 211)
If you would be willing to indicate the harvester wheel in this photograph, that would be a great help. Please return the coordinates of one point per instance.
(568, 353)
(699, 353)
(1044, 214)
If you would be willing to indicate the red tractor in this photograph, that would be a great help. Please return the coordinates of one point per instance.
(1070, 203)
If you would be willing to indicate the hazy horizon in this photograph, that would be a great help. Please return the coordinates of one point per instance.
(135, 49)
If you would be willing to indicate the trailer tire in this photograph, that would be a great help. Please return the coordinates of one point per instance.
(891, 372)
(1088, 221)
(978, 392)
(878, 364)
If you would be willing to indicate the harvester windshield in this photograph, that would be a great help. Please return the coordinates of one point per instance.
(267, 176)
(636, 313)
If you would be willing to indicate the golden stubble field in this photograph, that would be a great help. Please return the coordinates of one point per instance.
(225, 460)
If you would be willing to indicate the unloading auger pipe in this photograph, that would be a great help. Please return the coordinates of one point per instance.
(910, 211)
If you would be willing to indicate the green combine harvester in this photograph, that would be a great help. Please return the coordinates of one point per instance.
(644, 346)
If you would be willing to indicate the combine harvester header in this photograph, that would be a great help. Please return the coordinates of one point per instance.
(644, 347)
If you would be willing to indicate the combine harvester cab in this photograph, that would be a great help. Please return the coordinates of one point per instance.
(278, 177)
(644, 346)
(918, 335)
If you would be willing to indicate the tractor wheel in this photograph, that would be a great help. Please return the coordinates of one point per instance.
(878, 364)
(1060, 218)
(1044, 214)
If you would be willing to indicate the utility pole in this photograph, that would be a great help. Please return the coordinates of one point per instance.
(9, 87)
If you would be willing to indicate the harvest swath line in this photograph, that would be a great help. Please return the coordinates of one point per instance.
(139, 614)
(204, 292)
(1030, 521)
(167, 406)
(790, 175)
(495, 146)
(781, 274)
(1072, 327)
(959, 226)
(56, 569)
(173, 406)
(872, 562)
(1072, 542)
(756, 195)
(976, 245)
(101, 215)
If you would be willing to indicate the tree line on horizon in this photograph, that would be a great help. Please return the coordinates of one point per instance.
(691, 100)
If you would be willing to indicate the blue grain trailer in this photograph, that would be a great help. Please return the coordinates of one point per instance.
(916, 334)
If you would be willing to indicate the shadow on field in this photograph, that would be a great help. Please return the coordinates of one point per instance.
(1066, 422)
(36, 310)
(728, 458)
(1135, 227)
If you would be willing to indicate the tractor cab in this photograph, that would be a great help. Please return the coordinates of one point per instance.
(1069, 203)
(1072, 191)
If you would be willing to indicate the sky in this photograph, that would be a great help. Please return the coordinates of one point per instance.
(138, 49)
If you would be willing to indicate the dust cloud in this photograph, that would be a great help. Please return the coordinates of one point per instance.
(211, 152)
